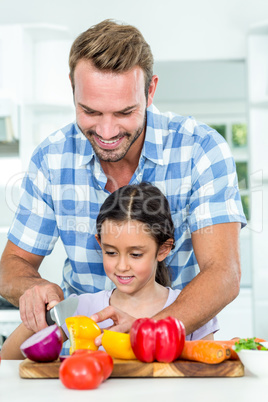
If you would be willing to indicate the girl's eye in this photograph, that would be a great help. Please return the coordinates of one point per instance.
(110, 252)
(136, 255)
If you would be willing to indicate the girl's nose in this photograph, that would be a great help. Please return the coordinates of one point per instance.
(122, 265)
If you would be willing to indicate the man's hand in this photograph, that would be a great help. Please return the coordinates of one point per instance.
(122, 321)
(22, 285)
(33, 304)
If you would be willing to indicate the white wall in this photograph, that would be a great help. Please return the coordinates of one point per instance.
(176, 29)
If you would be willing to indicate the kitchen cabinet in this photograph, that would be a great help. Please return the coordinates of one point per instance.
(258, 97)
(34, 80)
(258, 130)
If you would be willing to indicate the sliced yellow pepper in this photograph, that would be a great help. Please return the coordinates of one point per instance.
(82, 332)
(117, 345)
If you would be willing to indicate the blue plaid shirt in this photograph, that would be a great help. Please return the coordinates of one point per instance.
(65, 187)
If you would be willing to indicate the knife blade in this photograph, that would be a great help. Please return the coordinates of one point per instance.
(61, 311)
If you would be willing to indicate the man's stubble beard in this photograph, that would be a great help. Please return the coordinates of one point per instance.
(107, 155)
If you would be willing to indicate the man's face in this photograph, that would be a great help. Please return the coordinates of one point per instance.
(110, 109)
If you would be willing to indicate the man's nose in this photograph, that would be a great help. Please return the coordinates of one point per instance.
(107, 127)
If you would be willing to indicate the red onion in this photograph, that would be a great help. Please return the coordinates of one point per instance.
(44, 346)
(63, 357)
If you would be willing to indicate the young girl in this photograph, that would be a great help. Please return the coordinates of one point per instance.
(136, 233)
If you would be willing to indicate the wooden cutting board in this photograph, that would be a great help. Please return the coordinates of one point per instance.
(136, 368)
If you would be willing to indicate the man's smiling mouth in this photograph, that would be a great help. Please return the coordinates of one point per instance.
(109, 144)
(108, 141)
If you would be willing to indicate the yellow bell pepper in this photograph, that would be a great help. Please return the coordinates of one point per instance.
(117, 345)
(82, 332)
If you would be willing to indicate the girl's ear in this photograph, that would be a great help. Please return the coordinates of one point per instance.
(98, 240)
(164, 250)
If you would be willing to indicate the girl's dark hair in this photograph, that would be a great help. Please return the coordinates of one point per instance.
(147, 204)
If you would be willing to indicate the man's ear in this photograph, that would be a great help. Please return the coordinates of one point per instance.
(98, 240)
(152, 89)
(164, 250)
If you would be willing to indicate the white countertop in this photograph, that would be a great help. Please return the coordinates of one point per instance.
(246, 389)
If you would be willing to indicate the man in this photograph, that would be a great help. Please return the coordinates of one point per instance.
(119, 137)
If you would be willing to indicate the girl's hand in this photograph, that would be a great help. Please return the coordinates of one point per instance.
(122, 321)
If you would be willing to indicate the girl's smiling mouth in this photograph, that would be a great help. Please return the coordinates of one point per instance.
(124, 279)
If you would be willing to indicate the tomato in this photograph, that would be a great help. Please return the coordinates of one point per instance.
(103, 358)
(81, 372)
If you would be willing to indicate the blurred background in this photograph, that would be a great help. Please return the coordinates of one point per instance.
(212, 61)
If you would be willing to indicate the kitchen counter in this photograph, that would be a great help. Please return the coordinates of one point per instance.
(247, 389)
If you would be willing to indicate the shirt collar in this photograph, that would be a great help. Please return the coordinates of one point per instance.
(153, 144)
(85, 149)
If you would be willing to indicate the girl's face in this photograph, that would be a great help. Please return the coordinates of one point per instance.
(130, 255)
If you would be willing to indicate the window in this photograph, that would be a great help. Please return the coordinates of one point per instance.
(235, 133)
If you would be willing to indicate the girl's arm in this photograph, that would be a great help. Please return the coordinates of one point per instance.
(209, 337)
(11, 347)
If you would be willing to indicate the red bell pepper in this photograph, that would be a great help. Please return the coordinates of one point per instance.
(161, 340)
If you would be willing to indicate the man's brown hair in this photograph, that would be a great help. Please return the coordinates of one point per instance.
(113, 47)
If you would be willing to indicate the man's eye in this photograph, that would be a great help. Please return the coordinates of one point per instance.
(126, 113)
(89, 112)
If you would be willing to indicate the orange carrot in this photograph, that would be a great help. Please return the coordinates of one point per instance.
(230, 343)
(205, 351)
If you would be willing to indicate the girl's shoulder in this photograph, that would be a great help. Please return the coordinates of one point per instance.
(172, 296)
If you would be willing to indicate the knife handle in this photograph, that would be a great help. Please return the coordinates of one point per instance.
(49, 319)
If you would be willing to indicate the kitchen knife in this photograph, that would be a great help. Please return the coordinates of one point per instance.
(62, 310)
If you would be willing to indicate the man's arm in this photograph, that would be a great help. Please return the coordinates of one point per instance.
(217, 252)
(22, 285)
